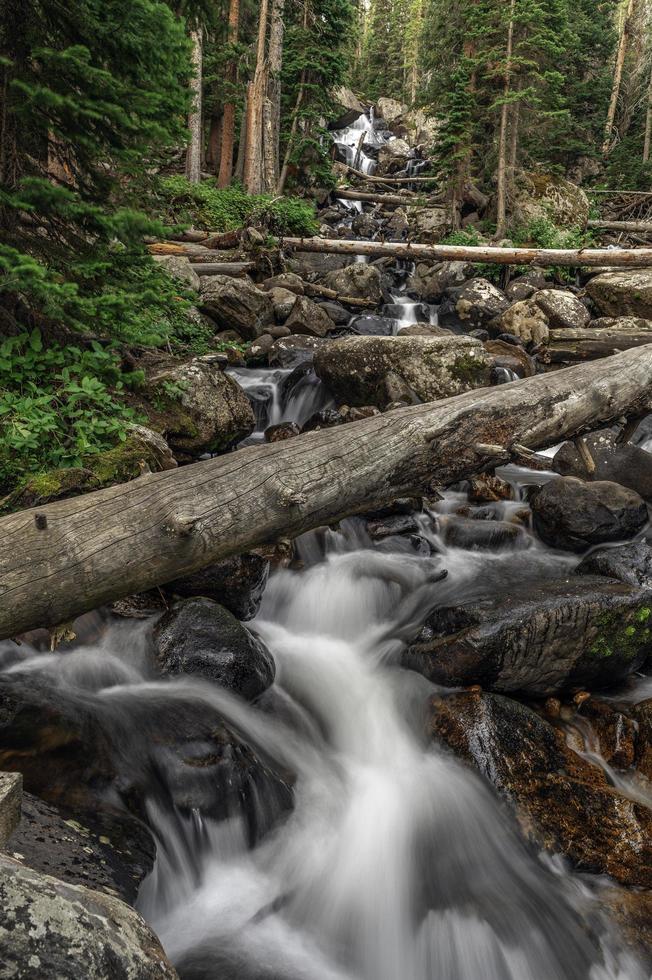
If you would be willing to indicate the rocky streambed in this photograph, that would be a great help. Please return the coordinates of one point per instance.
(415, 744)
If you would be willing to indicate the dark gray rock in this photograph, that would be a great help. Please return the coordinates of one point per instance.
(630, 563)
(622, 463)
(308, 318)
(236, 583)
(538, 640)
(200, 637)
(571, 514)
(290, 352)
(485, 535)
(373, 326)
(338, 314)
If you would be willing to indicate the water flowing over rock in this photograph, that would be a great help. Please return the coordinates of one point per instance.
(537, 640)
(236, 304)
(571, 514)
(562, 803)
(52, 929)
(371, 370)
(200, 637)
(622, 293)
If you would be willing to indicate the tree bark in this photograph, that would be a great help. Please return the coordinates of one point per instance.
(484, 253)
(194, 152)
(618, 76)
(349, 194)
(225, 172)
(390, 180)
(501, 206)
(253, 162)
(63, 559)
(619, 225)
(569, 346)
(647, 139)
(272, 107)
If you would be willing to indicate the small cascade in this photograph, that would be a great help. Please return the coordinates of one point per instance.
(351, 140)
(280, 395)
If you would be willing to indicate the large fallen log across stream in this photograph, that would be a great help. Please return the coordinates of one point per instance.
(65, 558)
(634, 257)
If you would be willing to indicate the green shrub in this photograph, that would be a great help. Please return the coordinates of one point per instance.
(543, 233)
(205, 206)
(58, 404)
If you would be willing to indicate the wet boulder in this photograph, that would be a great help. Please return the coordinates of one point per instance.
(199, 408)
(201, 638)
(370, 325)
(370, 370)
(359, 281)
(236, 304)
(236, 583)
(573, 515)
(630, 563)
(290, 352)
(338, 313)
(514, 357)
(613, 461)
(561, 802)
(538, 640)
(626, 292)
(550, 197)
(54, 929)
(430, 282)
(484, 535)
(562, 309)
(473, 305)
(308, 318)
(524, 320)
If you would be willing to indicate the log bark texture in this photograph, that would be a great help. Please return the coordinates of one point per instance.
(569, 346)
(608, 225)
(350, 194)
(632, 257)
(65, 558)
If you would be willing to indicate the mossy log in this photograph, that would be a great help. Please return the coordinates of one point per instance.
(65, 558)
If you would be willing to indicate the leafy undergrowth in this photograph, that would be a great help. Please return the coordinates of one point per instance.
(58, 405)
(207, 207)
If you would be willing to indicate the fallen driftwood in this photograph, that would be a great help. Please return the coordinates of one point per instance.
(349, 194)
(235, 269)
(65, 558)
(482, 253)
(314, 290)
(390, 180)
(566, 346)
(608, 225)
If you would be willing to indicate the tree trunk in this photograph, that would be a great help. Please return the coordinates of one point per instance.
(63, 559)
(618, 76)
(195, 148)
(194, 152)
(272, 111)
(572, 257)
(214, 146)
(620, 225)
(225, 172)
(647, 141)
(253, 163)
(568, 346)
(291, 138)
(501, 207)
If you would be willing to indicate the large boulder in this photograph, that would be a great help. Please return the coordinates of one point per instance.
(308, 318)
(198, 407)
(370, 370)
(358, 280)
(290, 352)
(571, 514)
(49, 928)
(562, 803)
(613, 461)
(429, 225)
(538, 640)
(473, 305)
(545, 196)
(180, 268)
(236, 304)
(626, 292)
(390, 109)
(525, 320)
(236, 583)
(630, 563)
(563, 310)
(202, 638)
(417, 127)
(430, 282)
(393, 156)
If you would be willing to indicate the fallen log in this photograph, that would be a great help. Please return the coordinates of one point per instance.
(235, 269)
(348, 194)
(65, 558)
(569, 346)
(620, 225)
(482, 253)
(314, 290)
(389, 180)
